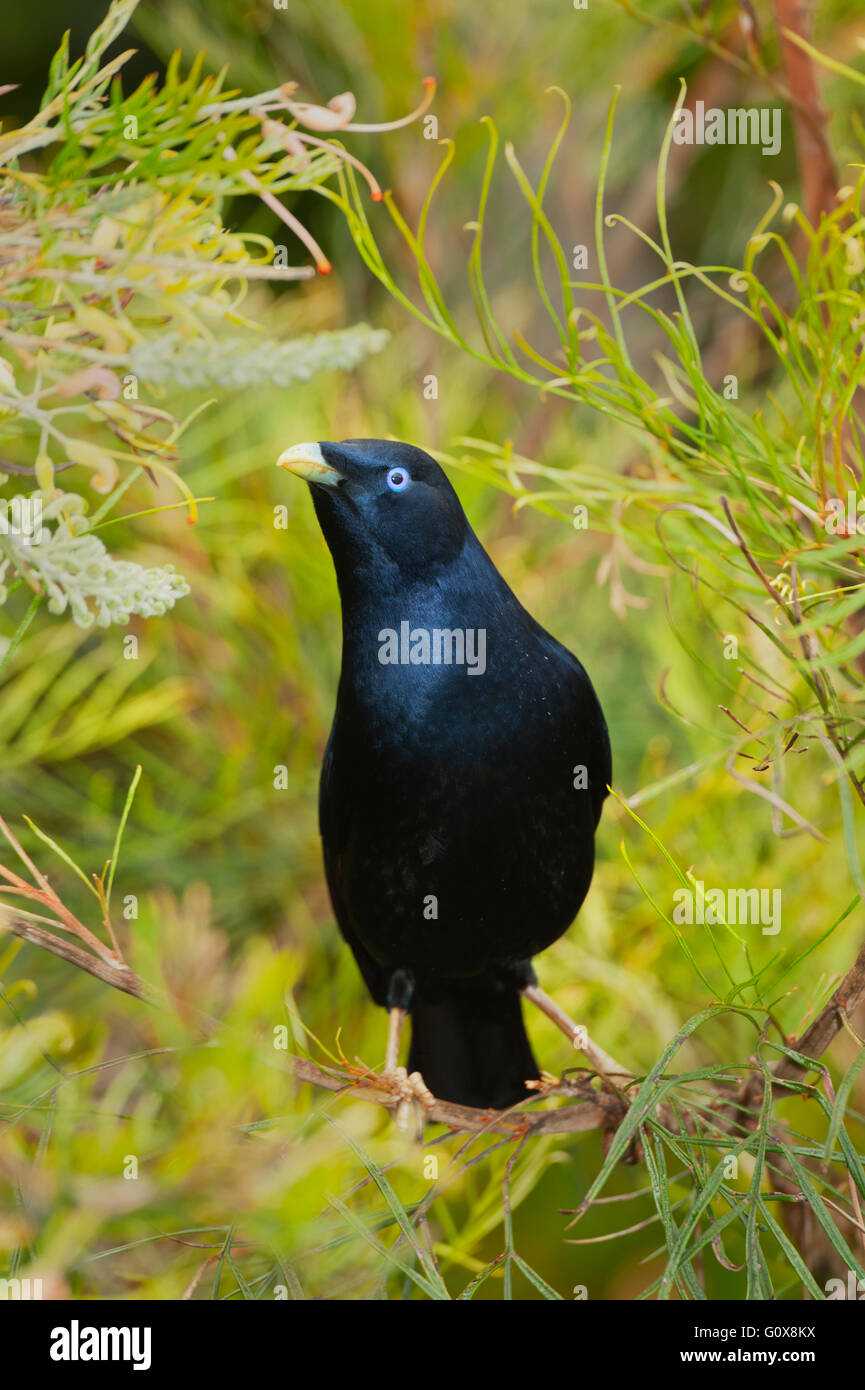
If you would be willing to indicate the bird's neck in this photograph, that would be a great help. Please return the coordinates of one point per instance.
(440, 625)
(381, 594)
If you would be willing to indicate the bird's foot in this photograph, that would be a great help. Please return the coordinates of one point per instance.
(408, 1085)
(421, 1090)
(411, 1090)
(544, 1084)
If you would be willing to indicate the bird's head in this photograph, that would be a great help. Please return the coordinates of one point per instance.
(388, 512)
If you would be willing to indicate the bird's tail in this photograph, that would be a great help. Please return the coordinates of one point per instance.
(470, 1044)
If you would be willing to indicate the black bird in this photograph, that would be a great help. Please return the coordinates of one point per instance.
(464, 776)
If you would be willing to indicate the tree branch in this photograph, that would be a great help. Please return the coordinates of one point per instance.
(591, 1110)
(119, 976)
(828, 1023)
(814, 156)
(577, 1118)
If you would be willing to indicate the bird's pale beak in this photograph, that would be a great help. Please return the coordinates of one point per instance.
(308, 462)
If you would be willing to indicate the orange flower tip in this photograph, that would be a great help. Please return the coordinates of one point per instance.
(429, 82)
(377, 195)
(324, 267)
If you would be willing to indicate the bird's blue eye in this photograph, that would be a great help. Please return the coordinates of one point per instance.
(398, 480)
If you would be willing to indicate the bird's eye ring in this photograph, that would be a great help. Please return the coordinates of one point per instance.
(398, 480)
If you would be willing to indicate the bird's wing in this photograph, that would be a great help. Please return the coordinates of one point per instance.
(333, 811)
(607, 764)
(585, 710)
(334, 819)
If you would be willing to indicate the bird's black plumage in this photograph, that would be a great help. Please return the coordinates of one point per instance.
(457, 807)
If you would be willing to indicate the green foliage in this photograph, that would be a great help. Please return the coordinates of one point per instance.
(752, 502)
(237, 363)
(71, 566)
(770, 480)
(757, 477)
(119, 233)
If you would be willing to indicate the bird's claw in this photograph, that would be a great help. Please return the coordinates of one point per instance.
(421, 1090)
(543, 1084)
(411, 1090)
